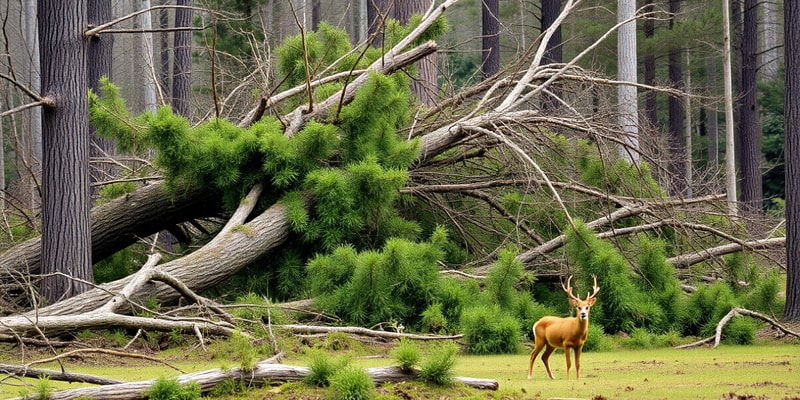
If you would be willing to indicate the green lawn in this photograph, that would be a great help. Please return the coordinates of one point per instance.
(770, 370)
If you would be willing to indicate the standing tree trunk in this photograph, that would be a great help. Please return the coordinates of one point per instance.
(146, 57)
(650, 105)
(424, 86)
(676, 146)
(711, 115)
(66, 234)
(490, 38)
(553, 53)
(730, 160)
(32, 147)
(769, 53)
(163, 44)
(376, 14)
(98, 65)
(791, 115)
(749, 118)
(626, 72)
(182, 61)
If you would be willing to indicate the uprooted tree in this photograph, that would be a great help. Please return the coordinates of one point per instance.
(340, 178)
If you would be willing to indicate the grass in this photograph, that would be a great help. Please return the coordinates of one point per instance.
(765, 371)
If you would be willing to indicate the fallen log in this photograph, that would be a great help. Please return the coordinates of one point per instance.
(264, 373)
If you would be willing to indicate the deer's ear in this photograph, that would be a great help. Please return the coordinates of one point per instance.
(591, 301)
(573, 302)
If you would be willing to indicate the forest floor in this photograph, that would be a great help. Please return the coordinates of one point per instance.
(769, 369)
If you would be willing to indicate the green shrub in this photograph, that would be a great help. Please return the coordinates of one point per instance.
(438, 367)
(764, 296)
(706, 307)
(433, 319)
(170, 389)
(352, 383)
(740, 330)
(322, 368)
(596, 340)
(406, 354)
(489, 330)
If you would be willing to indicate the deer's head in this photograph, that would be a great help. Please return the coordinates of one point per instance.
(582, 306)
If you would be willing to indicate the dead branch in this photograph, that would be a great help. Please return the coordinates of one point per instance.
(312, 329)
(687, 260)
(735, 312)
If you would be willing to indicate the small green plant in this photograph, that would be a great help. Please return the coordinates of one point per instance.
(170, 389)
(43, 389)
(244, 351)
(322, 368)
(406, 355)
(438, 367)
(352, 383)
(433, 319)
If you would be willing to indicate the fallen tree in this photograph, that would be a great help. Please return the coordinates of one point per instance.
(264, 373)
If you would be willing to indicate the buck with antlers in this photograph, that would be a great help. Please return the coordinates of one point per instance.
(566, 333)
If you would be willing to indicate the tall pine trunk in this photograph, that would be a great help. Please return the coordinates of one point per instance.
(66, 234)
(749, 118)
(182, 61)
(490, 38)
(791, 116)
(676, 113)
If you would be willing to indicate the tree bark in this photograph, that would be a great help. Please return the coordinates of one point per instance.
(650, 105)
(182, 61)
(749, 117)
(424, 86)
(66, 232)
(99, 65)
(264, 373)
(626, 72)
(490, 38)
(553, 49)
(791, 115)
(677, 148)
(120, 223)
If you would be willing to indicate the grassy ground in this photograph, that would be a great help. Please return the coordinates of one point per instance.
(765, 371)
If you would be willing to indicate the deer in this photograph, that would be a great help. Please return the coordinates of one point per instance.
(567, 333)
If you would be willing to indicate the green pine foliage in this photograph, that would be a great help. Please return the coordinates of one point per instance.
(398, 283)
(621, 306)
(352, 383)
(706, 307)
(660, 280)
(407, 355)
(488, 329)
(170, 389)
(438, 367)
(500, 281)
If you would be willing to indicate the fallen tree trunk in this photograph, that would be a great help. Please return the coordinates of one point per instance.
(264, 373)
(120, 223)
(22, 371)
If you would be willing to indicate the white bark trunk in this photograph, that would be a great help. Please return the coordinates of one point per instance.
(626, 72)
(146, 54)
(730, 161)
(769, 55)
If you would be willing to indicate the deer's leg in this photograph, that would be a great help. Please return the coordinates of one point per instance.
(578, 362)
(569, 363)
(538, 345)
(546, 358)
